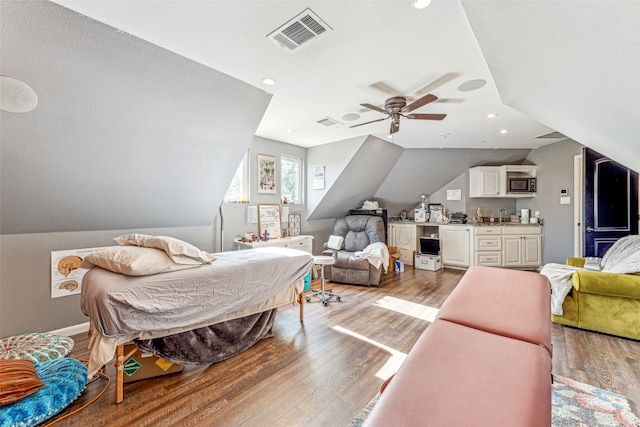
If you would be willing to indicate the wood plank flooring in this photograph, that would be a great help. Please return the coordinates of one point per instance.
(322, 372)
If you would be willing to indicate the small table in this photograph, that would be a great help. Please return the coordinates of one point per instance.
(323, 295)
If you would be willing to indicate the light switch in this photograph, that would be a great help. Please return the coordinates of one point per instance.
(565, 200)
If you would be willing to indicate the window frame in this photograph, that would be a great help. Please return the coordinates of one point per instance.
(300, 162)
(245, 189)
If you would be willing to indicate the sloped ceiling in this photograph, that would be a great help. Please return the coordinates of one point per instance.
(573, 66)
(126, 134)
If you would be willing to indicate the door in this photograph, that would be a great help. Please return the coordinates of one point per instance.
(610, 203)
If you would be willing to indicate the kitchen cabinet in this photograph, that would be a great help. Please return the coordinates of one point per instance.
(403, 236)
(488, 246)
(491, 181)
(455, 245)
(522, 246)
(485, 181)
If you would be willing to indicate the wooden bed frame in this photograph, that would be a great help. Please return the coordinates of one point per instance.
(121, 357)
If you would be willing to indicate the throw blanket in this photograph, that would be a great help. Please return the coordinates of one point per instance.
(622, 258)
(377, 254)
(213, 343)
(560, 277)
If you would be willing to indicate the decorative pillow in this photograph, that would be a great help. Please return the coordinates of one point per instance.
(179, 251)
(38, 347)
(135, 261)
(18, 379)
(64, 380)
(335, 242)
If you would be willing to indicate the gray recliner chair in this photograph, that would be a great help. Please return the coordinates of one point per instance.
(358, 232)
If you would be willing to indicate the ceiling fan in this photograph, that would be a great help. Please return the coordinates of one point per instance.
(396, 107)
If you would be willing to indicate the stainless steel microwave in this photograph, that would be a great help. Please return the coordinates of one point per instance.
(521, 185)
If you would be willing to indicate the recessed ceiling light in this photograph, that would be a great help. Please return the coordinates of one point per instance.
(390, 136)
(504, 131)
(351, 117)
(290, 130)
(472, 85)
(492, 115)
(268, 81)
(421, 4)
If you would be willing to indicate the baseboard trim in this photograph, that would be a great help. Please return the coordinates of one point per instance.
(72, 330)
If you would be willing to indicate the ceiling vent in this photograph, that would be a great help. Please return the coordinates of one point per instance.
(551, 135)
(302, 29)
(328, 122)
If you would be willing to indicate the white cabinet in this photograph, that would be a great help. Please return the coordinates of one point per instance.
(485, 181)
(403, 236)
(304, 243)
(491, 181)
(522, 246)
(455, 245)
(488, 246)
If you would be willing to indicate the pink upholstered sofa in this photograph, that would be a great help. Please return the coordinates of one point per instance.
(485, 360)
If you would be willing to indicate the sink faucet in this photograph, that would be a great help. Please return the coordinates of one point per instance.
(505, 214)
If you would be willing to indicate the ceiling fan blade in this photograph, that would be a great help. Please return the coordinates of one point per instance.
(395, 127)
(374, 107)
(366, 123)
(426, 116)
(386, 88)
(420, 102)
(445, 78)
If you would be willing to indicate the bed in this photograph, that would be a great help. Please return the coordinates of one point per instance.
(122, 308)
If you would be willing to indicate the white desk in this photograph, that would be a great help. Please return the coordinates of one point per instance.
(304, 243)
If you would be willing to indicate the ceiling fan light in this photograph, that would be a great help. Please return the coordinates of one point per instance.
(421, 4)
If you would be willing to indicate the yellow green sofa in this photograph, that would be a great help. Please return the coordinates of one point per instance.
(603, 302)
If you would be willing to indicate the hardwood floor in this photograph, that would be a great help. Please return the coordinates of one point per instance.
(321, 373)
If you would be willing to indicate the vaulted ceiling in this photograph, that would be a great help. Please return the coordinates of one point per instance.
(548, 66)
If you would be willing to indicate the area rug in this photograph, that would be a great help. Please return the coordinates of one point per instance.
(574, 404)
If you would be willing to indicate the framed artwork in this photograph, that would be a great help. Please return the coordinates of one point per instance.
(269, 220)
(318, 178)
(266, 174)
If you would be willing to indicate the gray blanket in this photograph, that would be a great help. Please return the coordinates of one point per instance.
(213, 343)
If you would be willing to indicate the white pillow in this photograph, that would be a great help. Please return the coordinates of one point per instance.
(335, 242)
(179, 251)
(134, 261)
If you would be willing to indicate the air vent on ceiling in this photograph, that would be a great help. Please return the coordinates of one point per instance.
(551, 135)
(303, 28)
(328, 122)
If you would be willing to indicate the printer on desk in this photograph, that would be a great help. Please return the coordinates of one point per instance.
(458, 218)
(429, 256)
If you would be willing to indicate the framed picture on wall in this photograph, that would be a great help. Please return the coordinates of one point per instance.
(266, 174)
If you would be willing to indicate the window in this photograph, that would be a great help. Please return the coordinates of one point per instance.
(238, 189)
(291, 179)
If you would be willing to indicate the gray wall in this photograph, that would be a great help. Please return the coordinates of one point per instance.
(126, 137)
(555, 171)
(427, 170)
(25, 274)
(234, 215)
